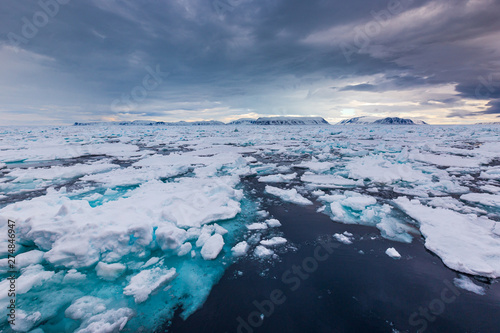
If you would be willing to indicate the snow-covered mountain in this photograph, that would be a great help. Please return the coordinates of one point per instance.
(280, 121)
(365, 120)
(242, 121)
(290, 121)
(153, 123)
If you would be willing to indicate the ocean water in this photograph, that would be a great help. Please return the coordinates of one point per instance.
(132, 228)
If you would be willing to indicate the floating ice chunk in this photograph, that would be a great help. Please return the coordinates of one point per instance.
(262, 213)
(275, 241)
(358, 202)
(257, 226)
(254, 239)
(465, 283)
(288, 195)
(184, 249)
(343, 239)
(315, 166)
(219, 230)
(393, 229)
(133, 175)
(215, 200)
(71, 251)
(24, 321)
(169, 237)
(263, 252)
(109, 272)
(152, 261)
(206, 233)
(273, 223)
(447, 186)
(74, 276)
(326, 181)
(391, 252)
(483, 198)
(490, 188)
(380, 170)
(318, 193)
(85, 307)
(113, 320)
(60, 172)
(193, 233)
(338, 212)
(448, 160)
(212, 247)
(148, 281)
(350, 199)
(23, 260)
(471, 248)
(493, 173)
(279, 178)
(240, 249)
(32, 276)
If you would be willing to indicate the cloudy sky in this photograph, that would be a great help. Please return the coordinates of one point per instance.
(63, 61)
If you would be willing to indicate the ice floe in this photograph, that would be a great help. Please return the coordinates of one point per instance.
(143, 220)
(466, 283)
(393, 253)
(290, 195)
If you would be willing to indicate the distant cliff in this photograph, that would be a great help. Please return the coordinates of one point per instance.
(381, 121)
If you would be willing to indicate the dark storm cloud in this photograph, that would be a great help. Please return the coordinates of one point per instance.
(245, 48)
(359, 87)
(493, 107)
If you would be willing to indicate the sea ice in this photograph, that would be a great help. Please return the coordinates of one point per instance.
(483, 198)
(148, 281)
(290, 195)
(393, 253)
(109, 272)
(212, 247)
(240, 249)
(465, 283)
(273, 223)
(471, 248)
(101, 211)
(263, 252)
(343, 239)
(257, 226)
(275, 241)
(279, 178)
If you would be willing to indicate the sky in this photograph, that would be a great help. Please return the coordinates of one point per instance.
(63, 61)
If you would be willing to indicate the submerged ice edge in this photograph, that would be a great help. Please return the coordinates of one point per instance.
(137, 219)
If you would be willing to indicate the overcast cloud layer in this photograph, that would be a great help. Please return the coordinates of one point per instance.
(76, 60)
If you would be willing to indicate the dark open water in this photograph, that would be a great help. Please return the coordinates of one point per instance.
(348, 292)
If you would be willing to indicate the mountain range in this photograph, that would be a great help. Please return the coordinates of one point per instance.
(267, 121)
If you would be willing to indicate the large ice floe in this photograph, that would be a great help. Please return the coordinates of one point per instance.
(117, 227)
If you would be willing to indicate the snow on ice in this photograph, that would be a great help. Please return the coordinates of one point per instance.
(114, 222)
